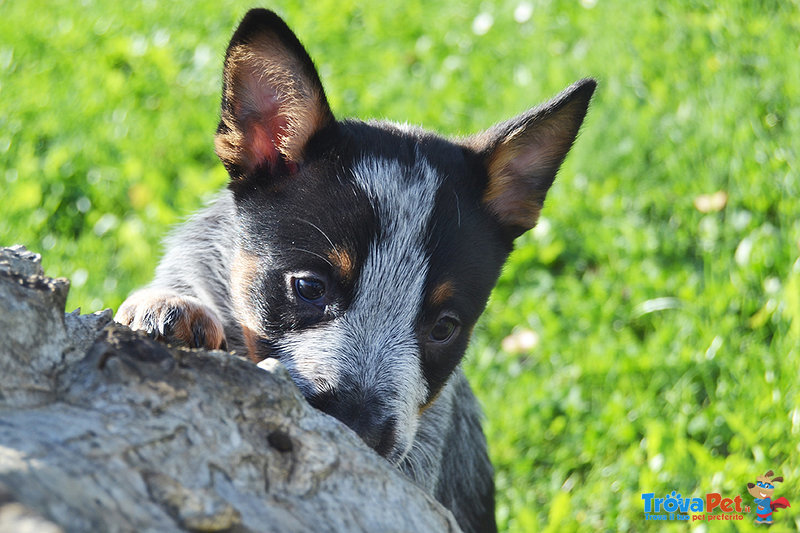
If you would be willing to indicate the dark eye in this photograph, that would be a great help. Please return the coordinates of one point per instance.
(444, 329)
(311, 290)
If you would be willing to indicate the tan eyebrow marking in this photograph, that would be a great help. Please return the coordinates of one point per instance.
(442, 292)
(343, 261)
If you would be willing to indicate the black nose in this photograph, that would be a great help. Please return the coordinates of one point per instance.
(367, 418)
(377, 432)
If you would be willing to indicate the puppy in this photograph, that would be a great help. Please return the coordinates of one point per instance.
(359, 254)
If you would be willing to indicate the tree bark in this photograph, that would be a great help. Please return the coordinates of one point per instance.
(104, 429)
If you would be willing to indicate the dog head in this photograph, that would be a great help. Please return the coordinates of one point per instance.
(764, 487)
(367, 251)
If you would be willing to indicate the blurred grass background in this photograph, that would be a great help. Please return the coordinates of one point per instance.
(644, 338)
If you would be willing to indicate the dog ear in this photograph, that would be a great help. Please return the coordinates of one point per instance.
(523, 155)
(778, 479)
(272, 99)
(769, 474)
(751, 485)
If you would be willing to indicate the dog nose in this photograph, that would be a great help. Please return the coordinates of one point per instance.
(366, 418)
(377, 432)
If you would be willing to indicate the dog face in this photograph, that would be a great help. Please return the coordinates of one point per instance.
(367, 251)
(364, 273)
(764, 486)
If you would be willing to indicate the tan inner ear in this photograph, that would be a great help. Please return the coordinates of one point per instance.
(274, 108)
(510, 202)
(522, 167)
(512, 192)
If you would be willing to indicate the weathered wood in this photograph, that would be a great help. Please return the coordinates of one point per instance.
(103, 429)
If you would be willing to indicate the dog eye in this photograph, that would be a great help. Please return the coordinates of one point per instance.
(310, 290)
(444, 329)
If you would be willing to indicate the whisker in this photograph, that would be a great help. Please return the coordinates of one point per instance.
(316, 228)
(333, 246)
(316, 255)
(458, 208)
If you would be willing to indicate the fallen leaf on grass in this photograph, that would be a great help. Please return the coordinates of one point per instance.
(711, 203)
(520, 341)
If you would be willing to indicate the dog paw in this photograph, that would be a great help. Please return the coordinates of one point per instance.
(170, 317)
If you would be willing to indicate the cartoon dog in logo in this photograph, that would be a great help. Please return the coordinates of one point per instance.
(762, 491)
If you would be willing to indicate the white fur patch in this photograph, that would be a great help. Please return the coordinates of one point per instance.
(374, 345)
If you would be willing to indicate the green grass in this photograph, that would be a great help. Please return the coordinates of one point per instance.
(667, 353)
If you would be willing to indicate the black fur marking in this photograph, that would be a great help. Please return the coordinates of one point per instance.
(292, 221)
(293, 224)
(466, 247)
